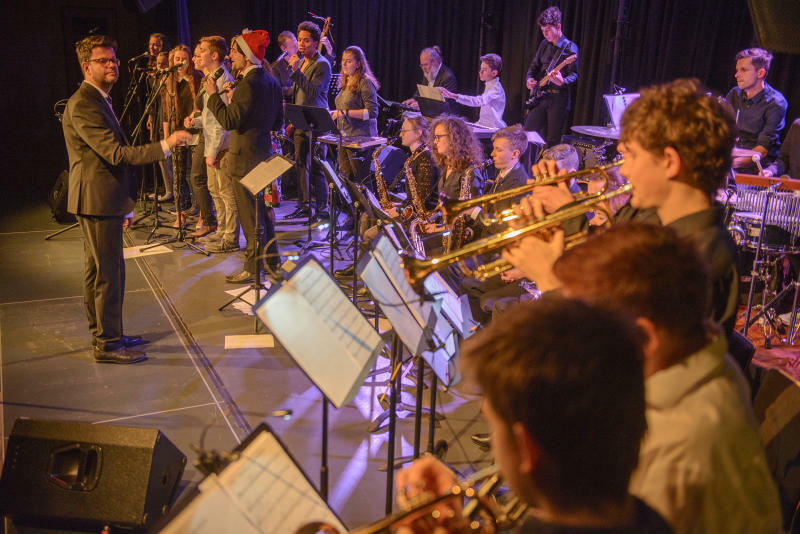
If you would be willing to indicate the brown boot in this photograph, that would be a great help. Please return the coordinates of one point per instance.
(203, 231)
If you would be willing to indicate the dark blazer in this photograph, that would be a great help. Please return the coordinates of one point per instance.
(100, 181)
(311, 85)
(516, 177)
(444, 78)
(450, 185)
(255, 110)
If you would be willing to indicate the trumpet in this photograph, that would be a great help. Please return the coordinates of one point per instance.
(481, 511)
(451, 208)
(417, 270)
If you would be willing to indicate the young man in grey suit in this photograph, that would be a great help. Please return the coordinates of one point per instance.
(255, 109)
(311, 74)
(101, 193)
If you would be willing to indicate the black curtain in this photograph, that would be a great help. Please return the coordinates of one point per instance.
(662, 40)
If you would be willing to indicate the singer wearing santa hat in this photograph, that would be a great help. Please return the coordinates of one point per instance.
(255, 109)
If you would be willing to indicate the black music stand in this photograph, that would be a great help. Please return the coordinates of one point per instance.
(430, 108)
(316, 121)
(343, 348)
(255, 181)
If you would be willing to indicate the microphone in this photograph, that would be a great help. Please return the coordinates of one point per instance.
(173, 68)
(283, 55)
(140, 56)
(215, 77)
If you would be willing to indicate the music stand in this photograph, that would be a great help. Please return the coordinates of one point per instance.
(338, 357)
(255, 181)
(430, 108)
(262, 488)
(316, 121)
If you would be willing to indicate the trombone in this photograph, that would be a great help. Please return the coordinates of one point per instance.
(417, 270)
(451, 208)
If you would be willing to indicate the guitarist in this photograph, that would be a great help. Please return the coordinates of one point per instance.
(548, 110)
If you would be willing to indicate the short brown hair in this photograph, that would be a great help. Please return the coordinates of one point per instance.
(642, 270)
(761, 58)
(216, 43)
(565, 156)
(309, 27)
(680, 114)
(549, 17)
(515, 135)
(572, 374)
(84, 47)
(494, 61)
(285, 36)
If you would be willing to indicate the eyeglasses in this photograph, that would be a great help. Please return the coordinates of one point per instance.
(437, 137)
(103, 61)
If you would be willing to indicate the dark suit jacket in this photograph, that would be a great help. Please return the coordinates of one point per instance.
(311, 85)
(100, 181)
(255, 110)
(516, 177)
(444, 78)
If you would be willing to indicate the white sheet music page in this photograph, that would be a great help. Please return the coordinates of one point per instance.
(325, 333)
(263, 491)
(451, 306)
(265, 173)
(430, 92)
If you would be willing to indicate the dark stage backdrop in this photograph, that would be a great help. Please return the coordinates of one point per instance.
(662, 40)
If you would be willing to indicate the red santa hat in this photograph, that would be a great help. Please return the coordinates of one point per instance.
(253, 44)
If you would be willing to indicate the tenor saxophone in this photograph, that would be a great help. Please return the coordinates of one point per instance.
(419, 214)
(458, 233)
(383, 190)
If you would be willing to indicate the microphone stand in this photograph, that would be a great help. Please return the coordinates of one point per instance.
(178, 169)
(151, 98)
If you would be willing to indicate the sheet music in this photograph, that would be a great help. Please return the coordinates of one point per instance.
(325, 333)
(432, 93)
(451, 306)
(442, 358)
(265, 173)
(263, 491)
(337, 180)
(616, 105)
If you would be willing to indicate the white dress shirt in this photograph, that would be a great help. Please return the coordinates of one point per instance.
(492, 103)
(702, 465)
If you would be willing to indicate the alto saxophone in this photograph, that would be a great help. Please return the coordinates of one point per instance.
(383, 191)
(418, 212)
(458, 233)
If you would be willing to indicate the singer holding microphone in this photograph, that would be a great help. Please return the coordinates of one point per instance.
(178, 94)
(208, 56)
(356, 112)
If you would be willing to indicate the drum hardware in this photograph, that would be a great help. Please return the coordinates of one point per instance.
(785, 214)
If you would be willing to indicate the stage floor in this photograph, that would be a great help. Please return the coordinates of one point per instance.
(190, 379)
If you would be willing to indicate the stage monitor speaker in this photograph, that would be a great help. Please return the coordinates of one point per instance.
(67, 474)
(777, 24)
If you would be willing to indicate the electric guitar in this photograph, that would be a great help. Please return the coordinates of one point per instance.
(538, 92)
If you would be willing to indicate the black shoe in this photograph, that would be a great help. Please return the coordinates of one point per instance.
(345, 273)
(483, 441)
(323, 216)
(242, 277)
(127, 341)
(222, 246)
(302, 212)
(120, 355)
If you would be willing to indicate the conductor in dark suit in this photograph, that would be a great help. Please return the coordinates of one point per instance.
(101, 193)
(256, 109)
(434, 73)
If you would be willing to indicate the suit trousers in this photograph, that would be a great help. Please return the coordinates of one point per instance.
(198, 177)
(104, 278)
(549, 116)
(257, 226)
(221, 186)
(309, 175)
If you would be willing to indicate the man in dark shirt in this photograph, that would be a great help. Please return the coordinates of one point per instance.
(549, 113)
(760, 110)
(564, 398)
(254, 111)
